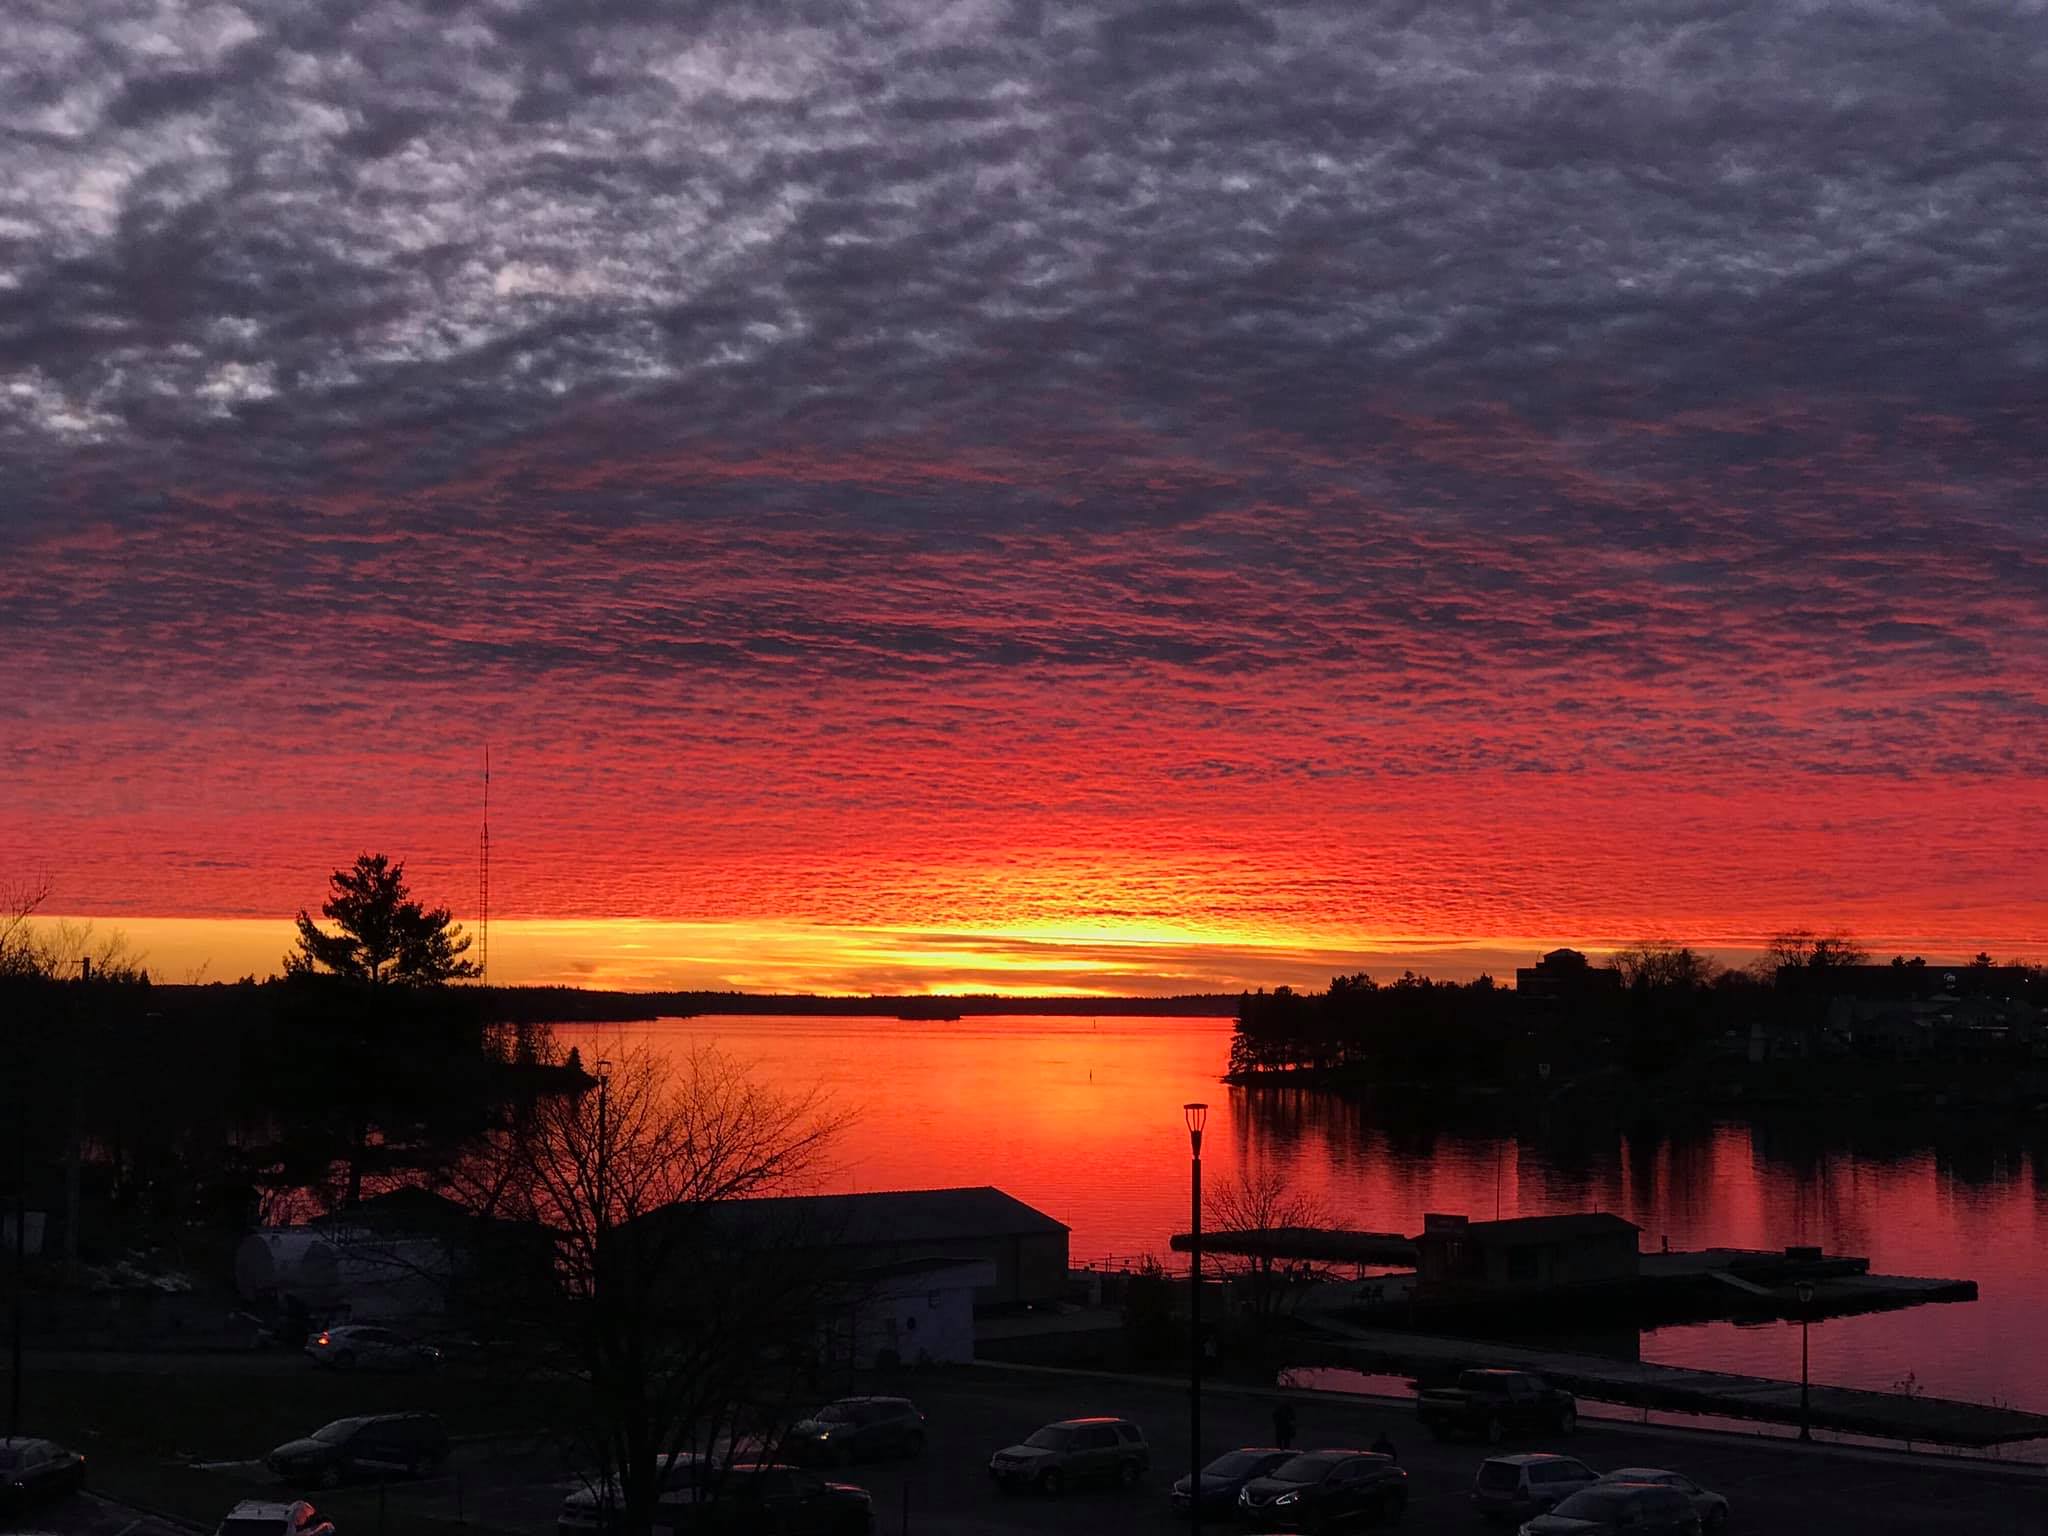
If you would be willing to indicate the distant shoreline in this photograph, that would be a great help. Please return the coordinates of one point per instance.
(549, 1005)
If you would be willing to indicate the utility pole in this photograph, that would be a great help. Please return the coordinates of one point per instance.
(1805, 1294)
(1197, 1116)
(483, 882)
(20, 1262)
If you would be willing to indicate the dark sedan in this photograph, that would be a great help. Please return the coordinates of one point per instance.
(34, 1470)
(1325, 1490)
(1224, 1478)
(857, 1429)
(756, 1498)
(374, 1446)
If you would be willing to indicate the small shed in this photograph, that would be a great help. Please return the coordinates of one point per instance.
(1528, 1253)
(912, 1312)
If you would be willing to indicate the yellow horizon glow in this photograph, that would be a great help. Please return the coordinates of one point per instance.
(819, 959)
(1040, 959)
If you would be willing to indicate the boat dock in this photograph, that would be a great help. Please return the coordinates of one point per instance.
(1310, 1245)
(1679, 1389)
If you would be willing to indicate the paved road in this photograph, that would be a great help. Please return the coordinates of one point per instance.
(87, 1514)
(1776, 1488)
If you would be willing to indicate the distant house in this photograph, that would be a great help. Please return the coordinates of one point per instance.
(1456, 1255)
(1565, 976)
(406, 1254)
(334, 1273)
(1025, 1249)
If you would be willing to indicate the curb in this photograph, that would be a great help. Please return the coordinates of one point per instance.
(1985, 1466)
(161, 1517)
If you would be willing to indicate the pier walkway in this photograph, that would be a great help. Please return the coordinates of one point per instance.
(1641, 1384)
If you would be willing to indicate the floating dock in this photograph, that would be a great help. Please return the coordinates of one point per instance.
(1311, 1245)
(1678, 1389)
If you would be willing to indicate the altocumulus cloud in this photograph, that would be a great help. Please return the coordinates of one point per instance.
(1311, 457)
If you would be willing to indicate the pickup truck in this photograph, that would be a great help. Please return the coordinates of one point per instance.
(1494, 1404)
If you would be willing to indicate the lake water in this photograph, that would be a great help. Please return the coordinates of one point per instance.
(1082, 1118)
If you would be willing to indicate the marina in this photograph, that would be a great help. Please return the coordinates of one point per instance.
(1644, 1384)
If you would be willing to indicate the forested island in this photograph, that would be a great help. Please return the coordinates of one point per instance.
(1813, 1023)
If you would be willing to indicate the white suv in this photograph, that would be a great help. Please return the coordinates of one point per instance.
(1532, 1483)
(261, 1517)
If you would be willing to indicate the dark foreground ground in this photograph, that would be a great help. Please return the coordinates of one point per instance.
(1776, 1488)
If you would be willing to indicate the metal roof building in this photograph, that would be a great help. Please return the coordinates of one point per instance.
(1027, 1247)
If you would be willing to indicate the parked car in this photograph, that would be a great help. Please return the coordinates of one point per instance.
(597, 1509)
(856, 1429)
(261, 1517)
(1711, 1507)
(1073, 1451)
(755, 1498)
(1532, 1483)
(376, 1445)
(1494, 1404)
(374, 1349)
(34, 1470)
(1225, 1477)
(1637, 1509)
(1325, 1490)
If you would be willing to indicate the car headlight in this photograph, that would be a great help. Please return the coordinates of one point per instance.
(1288, 1498)
(1244, 1497)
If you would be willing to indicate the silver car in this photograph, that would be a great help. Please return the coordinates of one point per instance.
(363, 1345)
(1711, 1507)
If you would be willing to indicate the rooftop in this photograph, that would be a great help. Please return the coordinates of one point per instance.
(1543, 1229)
(889, 1217)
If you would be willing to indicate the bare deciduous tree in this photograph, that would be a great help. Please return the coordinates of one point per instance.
(1262, 1203)
(19, 902)
(676, 1315)
(1803, 949)
(52, 949)
(1659, 963)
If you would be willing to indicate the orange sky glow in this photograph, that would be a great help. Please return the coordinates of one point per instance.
(1232, 743)
(1032, 498)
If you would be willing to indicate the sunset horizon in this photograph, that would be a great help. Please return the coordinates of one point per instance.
(748, 746)
(816, 960)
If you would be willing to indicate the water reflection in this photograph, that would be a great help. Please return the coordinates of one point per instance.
(1082, 1119)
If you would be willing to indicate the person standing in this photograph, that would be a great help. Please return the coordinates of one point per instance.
(1283, 1426)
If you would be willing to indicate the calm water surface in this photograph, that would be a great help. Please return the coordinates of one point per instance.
(1082, 1118)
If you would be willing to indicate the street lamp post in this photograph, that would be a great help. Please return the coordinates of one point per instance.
(1805, 1294)
(1197, 1116)
(604, 1082)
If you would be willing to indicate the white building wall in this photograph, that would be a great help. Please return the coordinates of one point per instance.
(926, 1318)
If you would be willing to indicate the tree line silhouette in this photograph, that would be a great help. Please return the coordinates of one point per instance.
(1654, 1007)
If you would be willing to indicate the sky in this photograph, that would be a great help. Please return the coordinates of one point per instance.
(1020, 495)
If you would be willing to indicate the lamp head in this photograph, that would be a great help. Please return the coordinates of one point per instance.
(1804, 1292)
(1197, 1116)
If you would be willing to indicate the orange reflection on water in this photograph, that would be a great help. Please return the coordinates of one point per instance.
(1082, 1119)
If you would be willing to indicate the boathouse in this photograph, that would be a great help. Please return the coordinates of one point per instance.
(1458, 1256)
(1024, 1249)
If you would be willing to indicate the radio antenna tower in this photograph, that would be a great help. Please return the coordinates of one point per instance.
(483, 881)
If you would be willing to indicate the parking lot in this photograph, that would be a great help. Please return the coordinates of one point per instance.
(87, 1514)
(1776, 1488)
